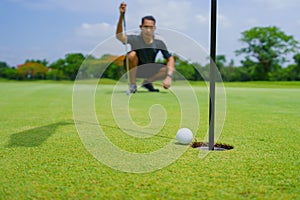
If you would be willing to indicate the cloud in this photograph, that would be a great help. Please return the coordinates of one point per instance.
(202, 19)
(252, 22)
(277, 4)
(224, 21)
(100, 30)
(87, 36)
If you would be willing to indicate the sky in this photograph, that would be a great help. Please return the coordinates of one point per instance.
(49, 29)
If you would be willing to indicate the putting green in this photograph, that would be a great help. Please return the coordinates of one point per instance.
(42, 156)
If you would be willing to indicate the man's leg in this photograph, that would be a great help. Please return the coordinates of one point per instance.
(133, 63)
(161, 74)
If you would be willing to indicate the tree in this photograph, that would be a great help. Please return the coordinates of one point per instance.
(3, 65)
(55, 74)
(108, 66)
(66, 68)
(11, 73)
(220, 61)
(115, 66)
(56, 70)
(44, 61)
(72, 64)
(32, 70)
(227, 71)
(3, 68)
(184, 68)
(297, 61)
(8, 72)
(266, 50)
(290, 73)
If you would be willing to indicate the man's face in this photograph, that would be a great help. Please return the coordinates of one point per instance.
(148, 28)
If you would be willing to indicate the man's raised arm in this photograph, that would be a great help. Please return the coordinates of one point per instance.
(119, 32)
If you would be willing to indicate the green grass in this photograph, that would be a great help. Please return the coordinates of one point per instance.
(255, 84)
(42, 156)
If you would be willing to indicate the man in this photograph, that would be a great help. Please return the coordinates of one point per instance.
(144, 49)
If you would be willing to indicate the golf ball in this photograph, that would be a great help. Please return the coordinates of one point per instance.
(184, 136)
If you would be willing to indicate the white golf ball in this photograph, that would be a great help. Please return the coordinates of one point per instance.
(184, 136)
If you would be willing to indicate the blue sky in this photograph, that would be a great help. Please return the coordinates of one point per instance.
(48, 29)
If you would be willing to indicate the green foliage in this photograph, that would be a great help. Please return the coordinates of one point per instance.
(200, 72)
(184, 68)
(68, 67)
(11, 73)
(108, 66)
(55, 74)
(3, 68)
(232, 73)
(266, 50)
(3, 65)
(290, 73)
(114, 72)
(56, 71)
(72, 64)
(220, 61)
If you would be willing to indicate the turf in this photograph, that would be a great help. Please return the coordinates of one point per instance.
(42, 156)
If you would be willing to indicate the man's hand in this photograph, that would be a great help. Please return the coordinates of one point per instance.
(122, 8)
(167, 82)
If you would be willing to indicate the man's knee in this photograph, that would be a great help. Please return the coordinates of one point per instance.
(164, 71)
(132, 56)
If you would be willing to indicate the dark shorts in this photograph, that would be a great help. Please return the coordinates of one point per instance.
(147, 70)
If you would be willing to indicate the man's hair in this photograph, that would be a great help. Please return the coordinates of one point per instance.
(149, 17)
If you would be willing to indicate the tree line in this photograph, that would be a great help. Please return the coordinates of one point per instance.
(266, 51)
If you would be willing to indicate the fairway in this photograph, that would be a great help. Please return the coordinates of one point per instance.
(42, 156)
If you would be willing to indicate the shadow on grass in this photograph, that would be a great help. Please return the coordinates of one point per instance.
(138, 92)
(34, 137)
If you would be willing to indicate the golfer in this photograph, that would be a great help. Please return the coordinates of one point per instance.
(144, 49)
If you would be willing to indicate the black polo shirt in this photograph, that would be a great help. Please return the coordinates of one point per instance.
(147, 52)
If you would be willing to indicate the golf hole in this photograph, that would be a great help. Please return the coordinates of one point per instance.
(217, 147)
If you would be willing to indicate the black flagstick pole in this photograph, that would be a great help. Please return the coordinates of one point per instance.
(211, 142)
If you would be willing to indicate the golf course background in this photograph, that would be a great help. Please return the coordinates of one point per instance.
(43, 157)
